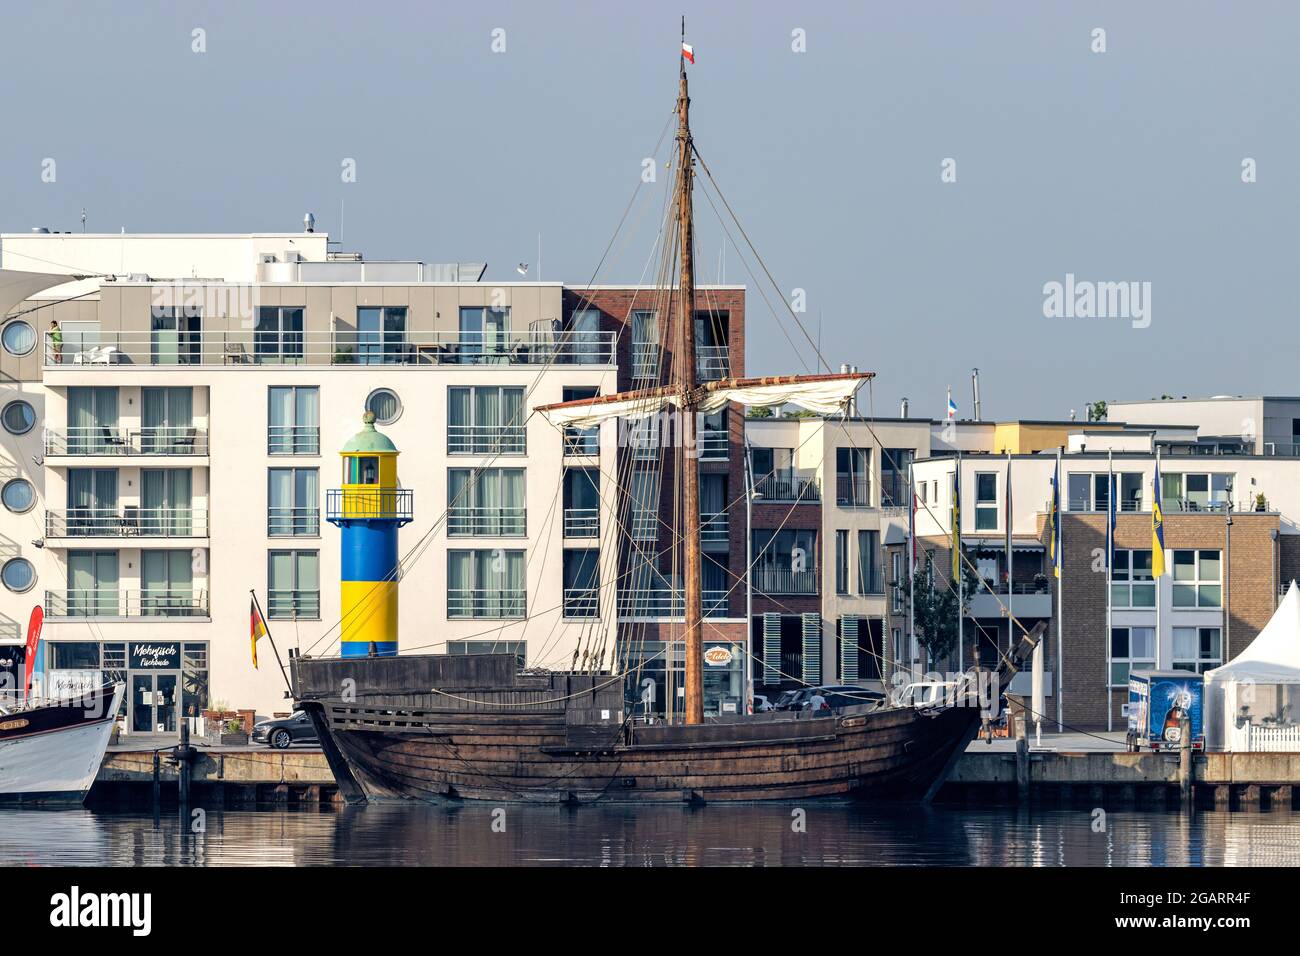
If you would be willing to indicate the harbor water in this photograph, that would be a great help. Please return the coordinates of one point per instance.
(751, 835)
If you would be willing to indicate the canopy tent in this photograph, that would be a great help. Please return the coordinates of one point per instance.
(15, 286)
(1253, 702)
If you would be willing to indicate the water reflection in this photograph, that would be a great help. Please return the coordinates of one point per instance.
(482, 835)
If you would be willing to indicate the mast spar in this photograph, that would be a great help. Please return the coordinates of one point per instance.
(693, 635)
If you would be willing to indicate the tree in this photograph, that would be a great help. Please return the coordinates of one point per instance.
(762, 412)
(934, 608)
(1097, 412)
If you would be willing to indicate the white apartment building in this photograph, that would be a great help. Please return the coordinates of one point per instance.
(171, 453)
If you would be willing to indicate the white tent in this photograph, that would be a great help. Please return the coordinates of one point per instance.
(1253, 702)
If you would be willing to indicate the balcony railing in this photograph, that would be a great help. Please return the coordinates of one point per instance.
(713, 444)
(788, 487)
(712, 362)
(127, 522)
(477, 602)
(645, 362)
(486, 440)
(645, 525)
(340, 347)
(714, 529)
(111, 602)
(582, 441)
(1083, 504)
(852, 492)
(293, 440)
(342, 504)
(484, 522)
(784, 581)
(665, 602)
(106, 440)
(582, 602)
(582, 522)
(293, 522)
(297, 604)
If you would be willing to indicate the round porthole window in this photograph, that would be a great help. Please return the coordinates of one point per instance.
(385, 404)
(18, 417)
(18, 495)
(19, 338)
(18, 574)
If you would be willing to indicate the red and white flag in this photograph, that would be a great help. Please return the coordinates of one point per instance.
(688, 51)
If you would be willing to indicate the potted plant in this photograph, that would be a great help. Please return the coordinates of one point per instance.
(1261, 503)
(233, 733)
(1040, 582)
(343, 356)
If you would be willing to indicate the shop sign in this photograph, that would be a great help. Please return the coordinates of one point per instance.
(71, 684)
(155, 656)
(717, 656)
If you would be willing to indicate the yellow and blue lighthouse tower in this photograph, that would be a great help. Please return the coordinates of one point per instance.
(369, 509)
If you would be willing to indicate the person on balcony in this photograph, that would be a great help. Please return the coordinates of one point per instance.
(56, 343)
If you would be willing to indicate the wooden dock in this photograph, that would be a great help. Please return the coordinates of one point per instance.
(226, 776)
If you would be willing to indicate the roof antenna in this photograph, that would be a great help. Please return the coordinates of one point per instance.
(83, 220)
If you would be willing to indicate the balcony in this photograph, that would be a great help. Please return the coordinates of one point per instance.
(293, 440)
(478, 603)
(645, 363)
(788, 487)
(784, 581)
(653, 603)
(348, 504)
(712, 362)
(713, 444)
(580, 442)
(342, 347)
(714, 530)
(852, 492)
(1026, 601)
(302, 604)
(486, 440)
(154, 603)
(293, 522)
(582, 522)
(91, 440)
(582, 602)
(483, 522)
(128, 521)
(645, 525)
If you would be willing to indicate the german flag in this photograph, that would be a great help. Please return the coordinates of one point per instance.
(257, 626)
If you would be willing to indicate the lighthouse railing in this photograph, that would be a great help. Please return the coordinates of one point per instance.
(343, 504)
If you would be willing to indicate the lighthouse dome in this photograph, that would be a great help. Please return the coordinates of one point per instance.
(368, 439)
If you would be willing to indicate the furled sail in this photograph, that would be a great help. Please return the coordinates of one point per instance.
(823, 394)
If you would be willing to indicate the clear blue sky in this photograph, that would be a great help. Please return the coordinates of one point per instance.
(1118, 166)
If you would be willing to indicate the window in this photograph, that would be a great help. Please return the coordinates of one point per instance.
(18, 574)
(517, 648)
(92, 585)
(897, 583)
(581, 499)
(841, 562)
(1197, 649)
(381, 335)
(986, 501)
(484, 420)
(485, 501)
(293, 585)
(166, 504)
(1197, 579)
(853, 477)
(167, 584)
(581, 441)
(644, 504)
(645, 346)
(1131, 581)
(1131, 648)
(485, 584)
(385, 405)
(18, 495)
(19, 338)
(74, 655)
(1199, 491)
(292, 502)
(483, 334)
(293, 420)
(785, 561)
(894, 464)
(18, 417)
(361, 470)
(167, 420)
(277, 336)
(175, 336)
(194, 677)
(581, 582)
(869, 578)
(1131, 491)
(580, 343)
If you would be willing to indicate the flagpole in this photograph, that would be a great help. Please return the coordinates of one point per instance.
(911, 575)
(1011, 565)
(283, 672)
(1060, 599)
(1156, 503)
(957, 569)
(1111, 508)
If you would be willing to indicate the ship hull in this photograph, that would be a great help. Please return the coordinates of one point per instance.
(435, 727)
(50, 755)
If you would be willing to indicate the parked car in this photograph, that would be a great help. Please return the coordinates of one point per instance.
(284, 731)
(762, 704)
(837, 695)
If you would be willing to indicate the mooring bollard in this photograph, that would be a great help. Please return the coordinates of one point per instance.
(184, 757)
(157, 779)
(1022, 769)
(1185, 760)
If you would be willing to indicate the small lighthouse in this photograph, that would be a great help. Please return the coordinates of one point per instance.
(369, 508)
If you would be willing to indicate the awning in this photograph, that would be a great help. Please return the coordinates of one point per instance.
(1000, 544)
(15, 286)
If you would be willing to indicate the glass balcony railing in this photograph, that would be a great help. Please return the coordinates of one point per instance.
(582, 522)
(712, 362)
(293, 440)
(486, 603)
(668, 603)
(503, 522)
(781, 487)
(110, 440)
(582, 602)
(127, 521)
(211, 347)
(293, 604)
(486, 440)
(784, 581)
(292, 522)
(116, 603)
(713, 529)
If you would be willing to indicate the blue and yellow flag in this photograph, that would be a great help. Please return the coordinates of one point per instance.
(1157, 531)
(1054, 522)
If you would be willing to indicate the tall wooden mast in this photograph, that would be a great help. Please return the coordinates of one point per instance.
(685, 366)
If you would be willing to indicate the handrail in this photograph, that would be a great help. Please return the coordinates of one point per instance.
(111, 440)
(127, 521)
